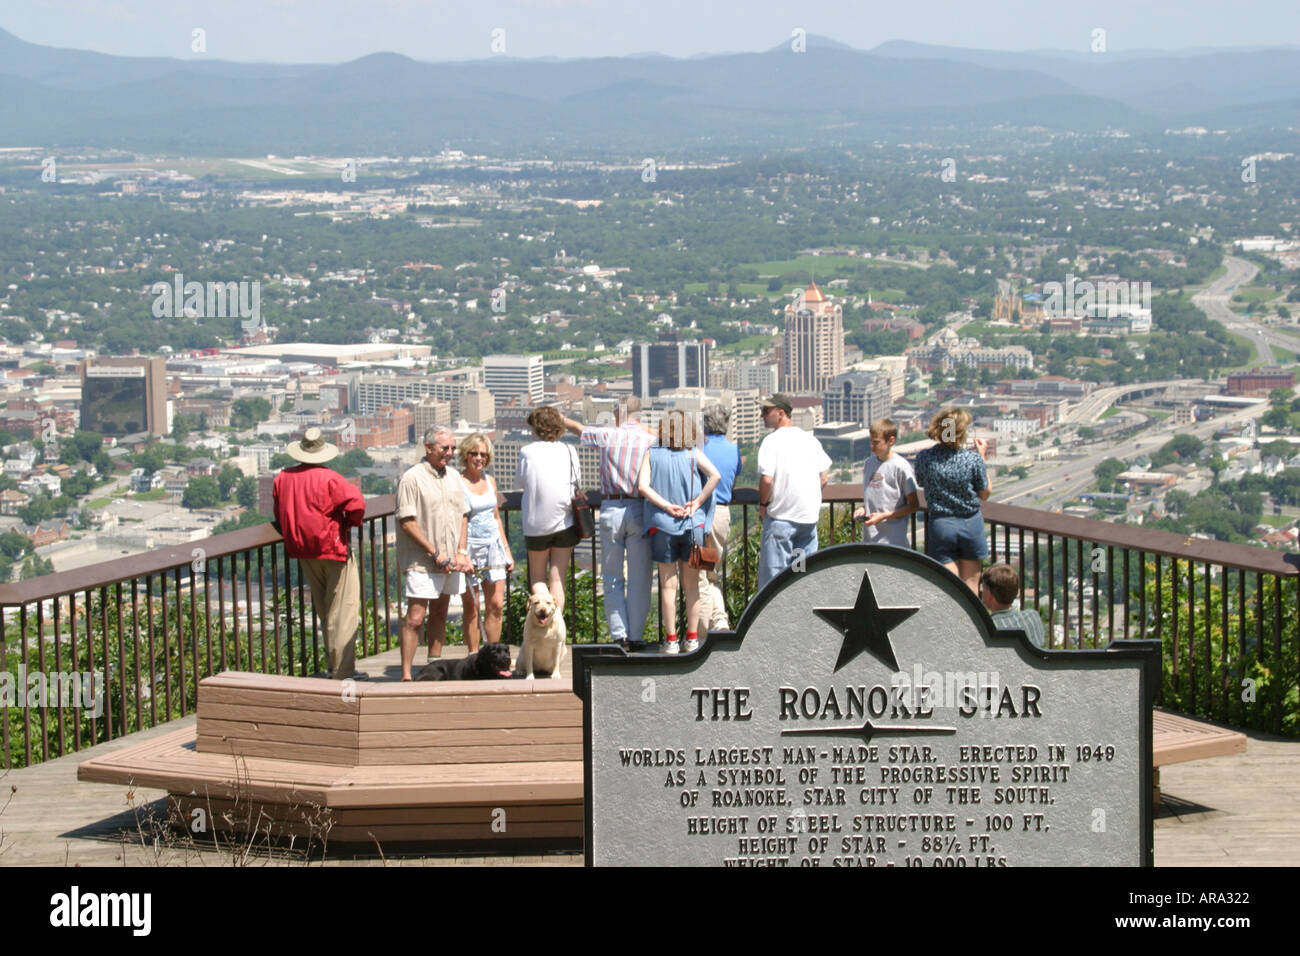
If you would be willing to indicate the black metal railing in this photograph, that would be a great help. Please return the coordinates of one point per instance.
(107, 650)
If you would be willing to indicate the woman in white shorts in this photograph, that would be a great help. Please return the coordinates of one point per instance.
(489, 551)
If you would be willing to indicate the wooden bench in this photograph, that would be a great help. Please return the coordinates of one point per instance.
(480, 763)
(1175, 738)
(485, 762)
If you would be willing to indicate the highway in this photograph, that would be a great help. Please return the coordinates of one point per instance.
(1213, 301)
(1051, 483)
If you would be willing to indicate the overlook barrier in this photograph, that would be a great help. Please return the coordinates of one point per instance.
(96, 653)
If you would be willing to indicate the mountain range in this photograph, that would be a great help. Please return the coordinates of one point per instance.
(385, 102)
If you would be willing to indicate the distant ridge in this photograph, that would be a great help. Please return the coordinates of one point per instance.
(391, 102)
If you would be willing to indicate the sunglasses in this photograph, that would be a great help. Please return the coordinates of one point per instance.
(477, 454)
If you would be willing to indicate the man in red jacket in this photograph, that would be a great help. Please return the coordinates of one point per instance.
(315, 507)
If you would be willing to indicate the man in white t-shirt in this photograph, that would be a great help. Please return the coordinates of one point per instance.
(792, 469)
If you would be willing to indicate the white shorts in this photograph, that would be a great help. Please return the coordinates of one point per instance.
(490, 555)
(421, 584)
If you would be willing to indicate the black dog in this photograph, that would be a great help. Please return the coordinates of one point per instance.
(489, 662)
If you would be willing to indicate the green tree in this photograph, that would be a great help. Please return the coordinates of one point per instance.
(14, 545)
(1278, 418)
(227, 479)
(246, 491)
(1106, 472)
(35, 566)
(201, 492)
(245, 519)
(247, 412)
(37, 510)
(151, 459)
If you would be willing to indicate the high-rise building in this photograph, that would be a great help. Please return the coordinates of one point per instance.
(429, 411)
(507, 376)
(672, 364)
(813, 348)
(746, 423)
(861, 397)
(371, 392)
(505, 460)
(478, 406)
(124, 396)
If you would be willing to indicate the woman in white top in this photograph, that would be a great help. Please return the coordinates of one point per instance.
(489, 551)
(548, 470)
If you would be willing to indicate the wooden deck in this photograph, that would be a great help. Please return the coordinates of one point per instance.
(1238, 810)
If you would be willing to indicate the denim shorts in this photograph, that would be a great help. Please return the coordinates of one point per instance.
(666, 548)
(949, 539)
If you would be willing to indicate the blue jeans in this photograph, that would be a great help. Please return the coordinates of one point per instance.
(626, 605)
(781, 539)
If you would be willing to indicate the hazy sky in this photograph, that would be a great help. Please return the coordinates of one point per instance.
(338, 30)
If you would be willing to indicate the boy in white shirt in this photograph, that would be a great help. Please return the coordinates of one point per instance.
(888, 489)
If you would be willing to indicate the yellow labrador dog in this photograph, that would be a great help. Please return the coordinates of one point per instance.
(543, 648)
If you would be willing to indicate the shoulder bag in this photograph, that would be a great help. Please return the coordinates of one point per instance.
(703, 557)
(582, 517)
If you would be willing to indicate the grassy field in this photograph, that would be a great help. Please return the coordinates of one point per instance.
(1251, 362)
(1276, 521)
(1108, 412)
(1285, 356)
(748, 289)
(158, 494)
(1249, 298)
(750, 343)
(819, 267)
(97, 503)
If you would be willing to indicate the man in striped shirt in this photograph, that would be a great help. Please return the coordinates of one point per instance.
(622, 449)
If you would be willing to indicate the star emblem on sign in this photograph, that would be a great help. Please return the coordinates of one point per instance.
(866, 625)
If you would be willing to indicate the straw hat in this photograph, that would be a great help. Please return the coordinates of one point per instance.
(313, 449)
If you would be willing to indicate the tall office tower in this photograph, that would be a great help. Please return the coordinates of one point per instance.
(506, 376)
(746, 423)
(813, 352)
(669, 364)
(478, 406)
(124, 396)
(861, 397)
(763, 376)
(429, 411)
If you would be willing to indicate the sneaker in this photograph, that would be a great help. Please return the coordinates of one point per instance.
(673, 647)
(692, 644)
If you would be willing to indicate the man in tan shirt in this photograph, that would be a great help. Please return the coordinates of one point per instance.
(431, 547)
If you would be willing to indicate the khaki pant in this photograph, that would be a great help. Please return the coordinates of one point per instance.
(336, 596)
(713, 608)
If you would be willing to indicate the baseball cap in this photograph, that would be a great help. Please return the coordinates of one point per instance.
(778, 401)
